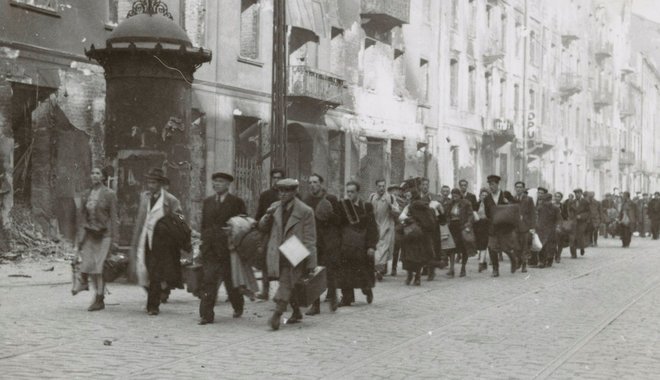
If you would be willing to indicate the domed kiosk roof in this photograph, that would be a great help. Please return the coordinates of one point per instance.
(149, 28)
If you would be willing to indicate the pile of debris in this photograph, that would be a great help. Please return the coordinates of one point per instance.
(28, 241)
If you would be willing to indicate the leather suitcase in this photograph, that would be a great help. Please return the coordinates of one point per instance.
(506, 215)
(311, 288)
(193, 275)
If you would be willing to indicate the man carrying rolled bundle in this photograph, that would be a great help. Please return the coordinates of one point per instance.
(502, 235)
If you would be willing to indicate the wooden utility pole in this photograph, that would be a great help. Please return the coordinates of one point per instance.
(279, 86)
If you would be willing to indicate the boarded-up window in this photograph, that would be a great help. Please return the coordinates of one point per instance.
(249, 29)
(398, 161)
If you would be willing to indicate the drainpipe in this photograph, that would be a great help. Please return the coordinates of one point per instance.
(523, 171)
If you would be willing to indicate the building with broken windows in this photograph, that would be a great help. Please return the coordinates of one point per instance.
(549, 92)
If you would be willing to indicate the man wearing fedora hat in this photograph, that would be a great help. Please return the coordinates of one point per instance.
(152, 269)
(215, 254)
(579, 212)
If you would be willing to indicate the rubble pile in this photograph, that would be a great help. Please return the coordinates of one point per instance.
(28, 241)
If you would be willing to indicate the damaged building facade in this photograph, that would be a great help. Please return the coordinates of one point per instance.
(393, 89)
(52, 104)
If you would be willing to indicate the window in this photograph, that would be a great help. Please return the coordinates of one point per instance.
(113, 12)
(453, 89)
(472, 74)
(193, 20)
(503, 97)
(249, 34)
(578, 131)
(424, 79)
(49, 7)
(532, 100)
(518, 34)
(337, 52)
(454, 14)
(399, 73)
(487, 77)
(473, 19)
(532, 47)
(516, 101)
(503, 26)
(427, 11)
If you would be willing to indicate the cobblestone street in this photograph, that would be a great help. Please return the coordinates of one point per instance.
(594, 317)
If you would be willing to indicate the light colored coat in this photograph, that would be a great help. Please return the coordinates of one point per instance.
(169, 205)
(301, 224)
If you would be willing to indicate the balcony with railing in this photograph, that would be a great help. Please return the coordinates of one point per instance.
(306, 83)
(393, 12)
(627, 158)
(569, 34)
(600, 154)
(502, 132)
(626, 108)
(602, 97)
(569, 84)
(541, 139)
(603, 49)
(493, 50)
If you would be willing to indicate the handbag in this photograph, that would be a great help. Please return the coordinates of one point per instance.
(506, 215)
(412, 231)
(468, 236)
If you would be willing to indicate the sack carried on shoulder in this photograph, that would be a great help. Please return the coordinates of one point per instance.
(251, 248)
(506, 215)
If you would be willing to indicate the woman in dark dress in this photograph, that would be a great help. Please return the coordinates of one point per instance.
(417, 247)
(481, 227)
(461, 219)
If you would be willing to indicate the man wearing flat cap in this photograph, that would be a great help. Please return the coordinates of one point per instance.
(502, 238)
(328, 236)
(154, 269)
(579, 213)
(526, 227)
(215, 254)
(283, 220)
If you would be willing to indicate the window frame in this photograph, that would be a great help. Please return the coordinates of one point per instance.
(54, 12)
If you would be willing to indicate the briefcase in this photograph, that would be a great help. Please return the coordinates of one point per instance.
(506, 215)
(193, 275)
(309, 289)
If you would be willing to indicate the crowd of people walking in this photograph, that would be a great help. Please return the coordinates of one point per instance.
(355, 238)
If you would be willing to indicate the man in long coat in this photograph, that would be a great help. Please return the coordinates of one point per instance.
(327, 212)
(502, 238)
(285, 219)
(463, 186)
(526, 226)
(386, 211)
(654, 215)
(215, 253)
(266, 199)
(547, 227)
(358, 246)
(152, 267)
(579, 212)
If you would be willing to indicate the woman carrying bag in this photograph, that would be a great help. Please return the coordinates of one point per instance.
(97, 233)
(461, 219)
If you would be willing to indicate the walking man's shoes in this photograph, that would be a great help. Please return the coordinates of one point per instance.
(205, 321)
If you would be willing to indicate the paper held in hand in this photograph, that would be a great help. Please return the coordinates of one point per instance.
(294, 250)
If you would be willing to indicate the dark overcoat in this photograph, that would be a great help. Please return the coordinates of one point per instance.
(356, 268)
(215, 214)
